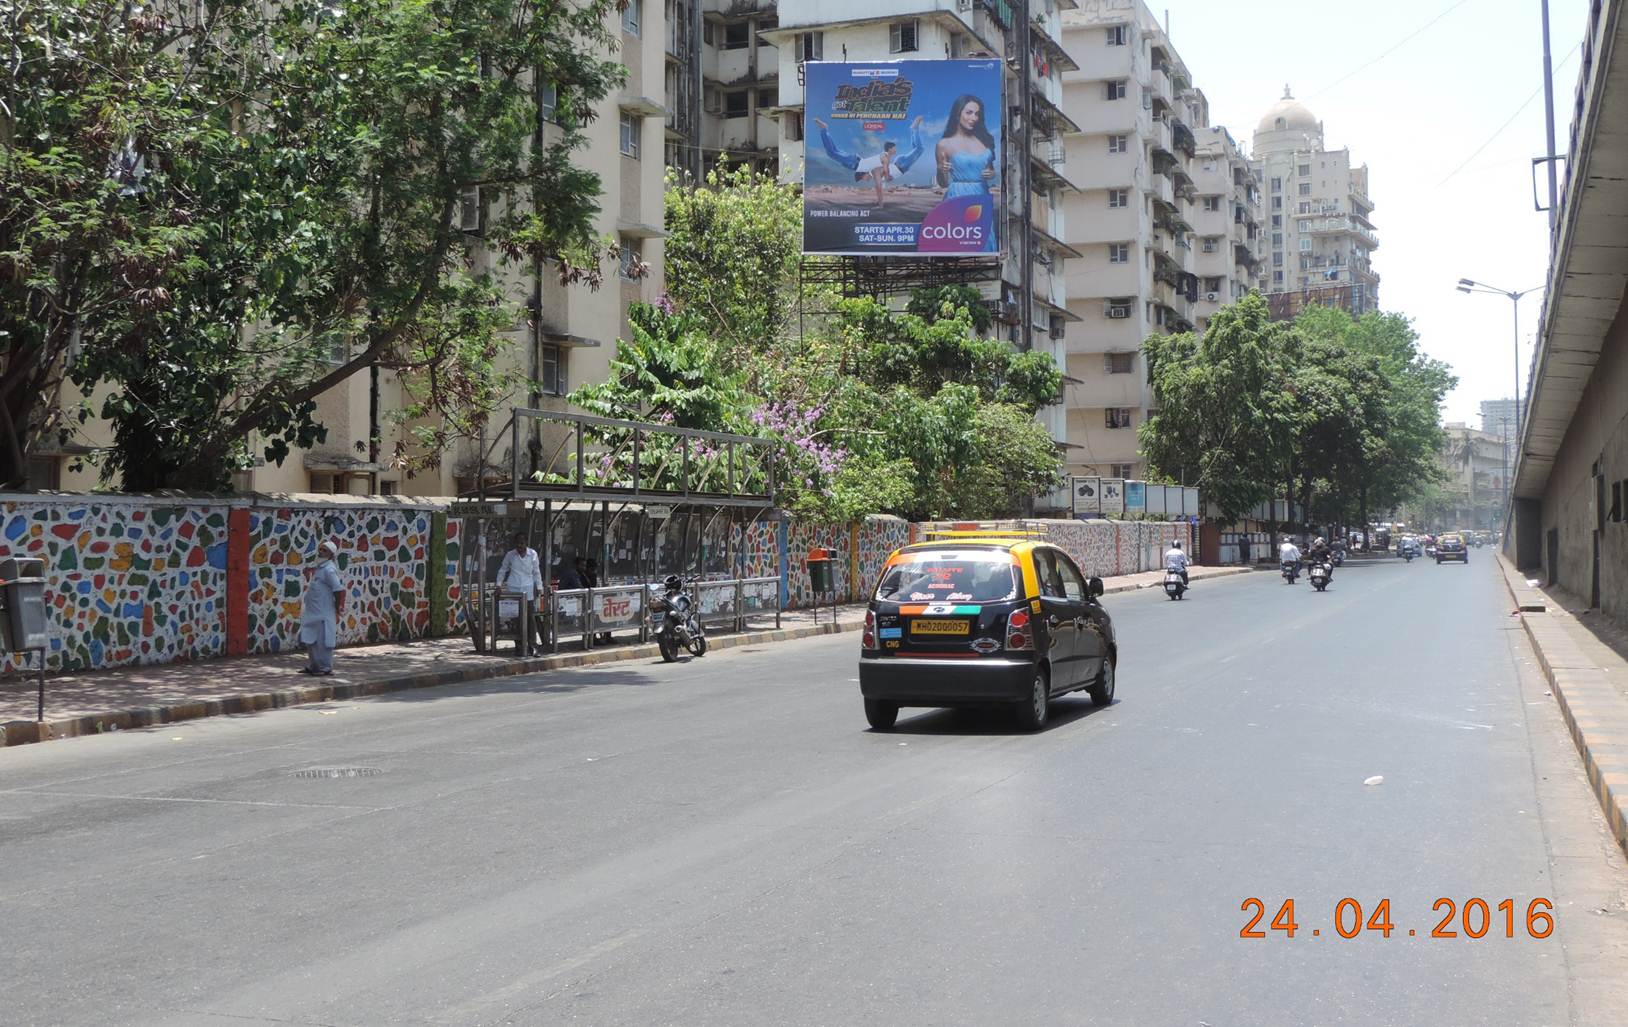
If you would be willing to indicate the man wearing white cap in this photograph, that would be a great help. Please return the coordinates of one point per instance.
(319, 615)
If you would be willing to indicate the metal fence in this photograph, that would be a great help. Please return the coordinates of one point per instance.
(599, 615)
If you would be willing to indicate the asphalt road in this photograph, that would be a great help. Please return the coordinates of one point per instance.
(724, 842)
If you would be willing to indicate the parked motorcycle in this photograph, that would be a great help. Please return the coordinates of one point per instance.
(679, 631)
(1173, 585)
(1291, 571)
(1320, 573)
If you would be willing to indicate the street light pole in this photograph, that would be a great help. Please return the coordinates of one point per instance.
(1467, 285)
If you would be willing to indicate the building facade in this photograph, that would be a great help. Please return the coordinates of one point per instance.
(1320, 231)
(1474, 489)
(1165, 218)
(1498, 415)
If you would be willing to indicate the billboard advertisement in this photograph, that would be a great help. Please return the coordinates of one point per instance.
(1113, 495)
(902, 157)
(1136, 497)
(1086, 497)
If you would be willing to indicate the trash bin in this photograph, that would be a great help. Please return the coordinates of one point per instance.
(23, 582)
(821, 577)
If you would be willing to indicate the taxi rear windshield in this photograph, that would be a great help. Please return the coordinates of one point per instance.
(949, 577)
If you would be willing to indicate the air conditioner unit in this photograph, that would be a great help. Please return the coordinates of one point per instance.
(1211, 296)
(1117, 312)
(1057, 329)
(963, 5)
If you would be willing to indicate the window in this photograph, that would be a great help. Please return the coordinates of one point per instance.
(1277, 259)
(1120, 363)
(1118, 417)
(553, 365)
(1119, 470)
(1211, 244)
(811, 46)
(794, 126)
(1212, 203)
(903, 36)
(631, 123)
(706, 32)
(469, 210)
(1116, 89)
(1277, 203)
(1119, 197)
(388, 488)
(1305, 208)
(45, 472)
(1212, 285)
(1305, 170)
(1277, 220)
(1119, 144)
(1305, 244)
(1277, 185)
(628, 258)
(736, 103)
(1305, 188)
(765, 98)
(1118, 35)
(548, 101)
(1277, 238)
(1119, 253)
(630, 17)
(1277, 277)
(1073, 583)
(737, 36)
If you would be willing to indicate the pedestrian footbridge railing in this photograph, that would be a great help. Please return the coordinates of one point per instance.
(612, 614)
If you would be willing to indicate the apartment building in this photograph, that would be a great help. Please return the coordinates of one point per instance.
(564, 335)
(722, 85)
(1135, 218)
(1498, 416)
(1227, 233)
(1321, 232)
(1027, 291)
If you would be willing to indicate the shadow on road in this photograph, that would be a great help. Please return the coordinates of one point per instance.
(992, 720)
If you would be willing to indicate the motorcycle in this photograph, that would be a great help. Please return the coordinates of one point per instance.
(1320, 573)
(1339, 558)
(1408, 554)
(1173, 585)
(1291, 571)
(679, 631)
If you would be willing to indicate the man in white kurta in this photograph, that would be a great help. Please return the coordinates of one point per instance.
(319, 614)
(522, 573)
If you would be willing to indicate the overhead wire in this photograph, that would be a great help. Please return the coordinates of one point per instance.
(1395, 47)
(1508, 121)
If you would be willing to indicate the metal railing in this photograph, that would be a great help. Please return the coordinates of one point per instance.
(599, 614)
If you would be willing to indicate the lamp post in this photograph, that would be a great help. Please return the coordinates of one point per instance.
(1467, 285)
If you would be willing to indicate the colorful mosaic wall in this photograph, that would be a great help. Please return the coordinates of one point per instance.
(878, 538)
(384, 556)
(124, 583)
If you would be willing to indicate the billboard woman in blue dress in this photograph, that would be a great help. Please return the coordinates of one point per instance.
(966, 153)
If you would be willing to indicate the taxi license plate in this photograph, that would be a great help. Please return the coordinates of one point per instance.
(940, 627)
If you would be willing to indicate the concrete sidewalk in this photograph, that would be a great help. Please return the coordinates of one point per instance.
(1587, 668)
(132, 697)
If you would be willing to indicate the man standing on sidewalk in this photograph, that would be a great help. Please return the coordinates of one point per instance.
(521, 573)
(319, 614)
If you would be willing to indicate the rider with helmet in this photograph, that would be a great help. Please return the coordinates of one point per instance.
(1176, 560)
(1320, 552)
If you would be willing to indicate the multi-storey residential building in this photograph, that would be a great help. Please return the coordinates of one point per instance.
(1226, 223)
(1134, 220)
(1027, 288)
(1321, 233)
(722, 89)
(564, 335)
(1498, 415)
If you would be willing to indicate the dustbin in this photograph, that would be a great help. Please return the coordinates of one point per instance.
(820, 576)
(23, 582)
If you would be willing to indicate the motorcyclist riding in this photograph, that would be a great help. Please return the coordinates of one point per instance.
(1288, 552)
(1321, 553)
(1176, 560)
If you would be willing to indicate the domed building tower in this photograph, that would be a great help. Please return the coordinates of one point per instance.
(1319, 229)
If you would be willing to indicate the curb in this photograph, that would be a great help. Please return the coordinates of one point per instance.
(24, 732)
(1596, 714)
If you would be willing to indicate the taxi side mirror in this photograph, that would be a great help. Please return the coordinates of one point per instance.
(1093, 587)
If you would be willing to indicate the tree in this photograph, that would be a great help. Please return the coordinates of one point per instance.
(1227, 416)
(91, 237)
(332, 152)
(731, 253)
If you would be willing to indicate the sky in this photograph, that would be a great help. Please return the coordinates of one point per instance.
(1450, 181)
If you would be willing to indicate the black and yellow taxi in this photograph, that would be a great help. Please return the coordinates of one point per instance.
(1451, 547)
(972, 618)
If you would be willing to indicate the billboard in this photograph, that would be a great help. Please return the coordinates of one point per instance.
(1086, 495)
(902, 157)
(1136, 496)
(1113, 495)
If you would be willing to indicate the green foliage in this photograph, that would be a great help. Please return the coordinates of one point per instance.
(299, 221)
(669, 373)
(731, 254)
(1346, 410)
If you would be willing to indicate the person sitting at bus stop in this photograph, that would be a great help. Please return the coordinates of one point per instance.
(520, 573)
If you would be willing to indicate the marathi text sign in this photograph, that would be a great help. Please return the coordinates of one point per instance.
(902, 157)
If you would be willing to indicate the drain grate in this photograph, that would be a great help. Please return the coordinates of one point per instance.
(339, 772)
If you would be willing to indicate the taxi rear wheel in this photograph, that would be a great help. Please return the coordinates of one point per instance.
(881, 715)
(1102, 692)
(1033, 711)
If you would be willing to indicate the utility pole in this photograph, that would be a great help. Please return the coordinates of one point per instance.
(1026, 134)
(1549, 124)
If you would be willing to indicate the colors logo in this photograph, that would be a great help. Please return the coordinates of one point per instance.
(965, 224)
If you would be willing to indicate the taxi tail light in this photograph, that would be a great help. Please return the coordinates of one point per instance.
(1018, 633)
(868, 638)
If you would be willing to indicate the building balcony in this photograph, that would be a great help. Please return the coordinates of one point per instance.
(1341, 225)
(1164, 189)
